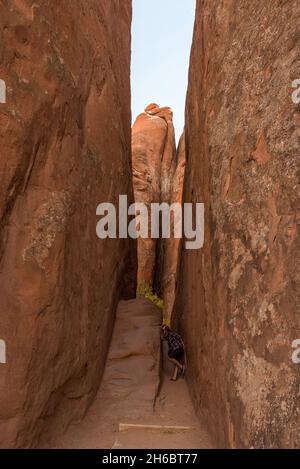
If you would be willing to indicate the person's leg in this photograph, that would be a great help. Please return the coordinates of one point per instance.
(175, 373)
(176, 363)
(177, 366)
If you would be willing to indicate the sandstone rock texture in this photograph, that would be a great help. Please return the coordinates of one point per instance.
(172, 246)
(153, 164)
(156, 175)
(238, 298)
(65, 148)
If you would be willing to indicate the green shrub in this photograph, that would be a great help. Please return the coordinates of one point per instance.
(145, 291)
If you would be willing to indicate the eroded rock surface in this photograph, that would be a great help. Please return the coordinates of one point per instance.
(157, 178)
(153, 162)
(172, 245)
(238, 298)
(65, 147)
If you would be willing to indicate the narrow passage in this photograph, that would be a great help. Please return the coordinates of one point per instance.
(136, 391)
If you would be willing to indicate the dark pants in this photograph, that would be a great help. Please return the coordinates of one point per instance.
(177, 354)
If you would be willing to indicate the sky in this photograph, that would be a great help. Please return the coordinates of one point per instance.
(161, 42)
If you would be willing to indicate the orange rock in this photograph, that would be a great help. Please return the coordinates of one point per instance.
(237, 301)
(153, 161)
(261, 153)
(157, 177)
(65, 147)
(172, 246)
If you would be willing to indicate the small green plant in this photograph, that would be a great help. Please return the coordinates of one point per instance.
(145, 291)
(166, 321)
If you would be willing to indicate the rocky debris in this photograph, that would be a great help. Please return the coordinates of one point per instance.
(65, 148)
(238, 298)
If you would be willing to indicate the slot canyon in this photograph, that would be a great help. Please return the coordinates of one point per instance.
(84, 357)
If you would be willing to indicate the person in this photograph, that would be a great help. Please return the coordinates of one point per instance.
(176, 350)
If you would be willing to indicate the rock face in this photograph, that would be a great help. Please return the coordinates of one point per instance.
(153, 162)
(154, 174)
(238, 298)
(65, 141)
(172, 245)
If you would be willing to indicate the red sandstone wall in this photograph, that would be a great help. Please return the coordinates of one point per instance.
(65, 147)
(238, 298)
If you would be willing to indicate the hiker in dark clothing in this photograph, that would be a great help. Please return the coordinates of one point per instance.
(176, 350)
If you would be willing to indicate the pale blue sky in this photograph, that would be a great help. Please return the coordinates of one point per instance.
(161, 42)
